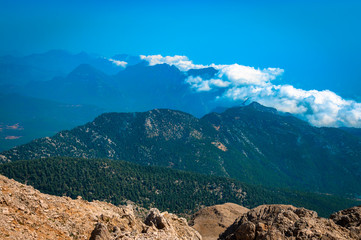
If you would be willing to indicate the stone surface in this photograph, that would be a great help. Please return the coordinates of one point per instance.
(350, 219)
(273, 222)
(25, 213)
(214, 220)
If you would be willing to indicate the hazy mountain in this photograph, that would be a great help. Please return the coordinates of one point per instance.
(137, 88)
(204, 73)
(83, 79)
(84, 85)
(163, 86)
(130, 60)
(354, 131)
(253, 143)
(25, 118)
(46, 66)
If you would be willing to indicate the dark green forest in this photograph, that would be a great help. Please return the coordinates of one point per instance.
(169, 190)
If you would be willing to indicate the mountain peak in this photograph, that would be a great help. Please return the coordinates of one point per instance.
(254, 106)
(259, 107)
(84, 68)
(87, 70)
(205, 73)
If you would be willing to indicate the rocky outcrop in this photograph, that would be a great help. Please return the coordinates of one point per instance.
(157, 225)
(350, 219)
(275, 222)
(214, 220)
(25, 213)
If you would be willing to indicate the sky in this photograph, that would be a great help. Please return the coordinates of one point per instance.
(315, 43)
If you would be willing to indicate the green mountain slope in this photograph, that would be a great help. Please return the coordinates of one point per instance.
(253, 144)
(171, 190)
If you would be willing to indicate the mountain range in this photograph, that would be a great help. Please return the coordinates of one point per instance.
(98, 83)
(253, 143)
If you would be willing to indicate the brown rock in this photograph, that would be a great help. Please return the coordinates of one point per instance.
(212, 221)
(273, 222)
(25, 213)
(350, 219)
(156, 219)
(100, 232)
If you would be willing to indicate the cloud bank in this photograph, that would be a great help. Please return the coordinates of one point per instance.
(319, 108)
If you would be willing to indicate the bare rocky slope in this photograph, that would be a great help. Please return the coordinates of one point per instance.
(214, 220)
(28, 214)
(275, 222)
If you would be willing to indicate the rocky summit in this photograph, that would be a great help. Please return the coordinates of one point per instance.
(28, 214)
(275, 222)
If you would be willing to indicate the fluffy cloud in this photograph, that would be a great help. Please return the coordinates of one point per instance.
(244, 75)
(235, 73)
(320, 108)
(181, 62)
(118, 63)
(206, 85)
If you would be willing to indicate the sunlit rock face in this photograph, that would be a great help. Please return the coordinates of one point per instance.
(28, 214)
(288, 222)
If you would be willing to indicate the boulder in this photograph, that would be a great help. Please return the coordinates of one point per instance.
(275, 222)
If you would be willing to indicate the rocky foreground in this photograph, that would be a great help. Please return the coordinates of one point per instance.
(25, 213)
(289, 222)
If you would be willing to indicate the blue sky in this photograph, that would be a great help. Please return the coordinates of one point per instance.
(317, 43)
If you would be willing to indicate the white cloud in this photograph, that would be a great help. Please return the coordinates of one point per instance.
(181, 62)
(206, 85)
(219, 83)
(118, 63)
(320, 108)
(227, 75)
(244, 75)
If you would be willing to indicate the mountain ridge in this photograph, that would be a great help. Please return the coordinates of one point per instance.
(252, 143)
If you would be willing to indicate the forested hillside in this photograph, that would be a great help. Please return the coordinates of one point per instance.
(171, 190)
(253, 144)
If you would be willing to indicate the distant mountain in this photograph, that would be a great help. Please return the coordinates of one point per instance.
(354, 131)
(168, 189)
(253, 143)
(204, 73)
(137, 88)
(45, 66)
(163, 86)
(25, 118)
(130, 60)
(83, 79)
(84, 85)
